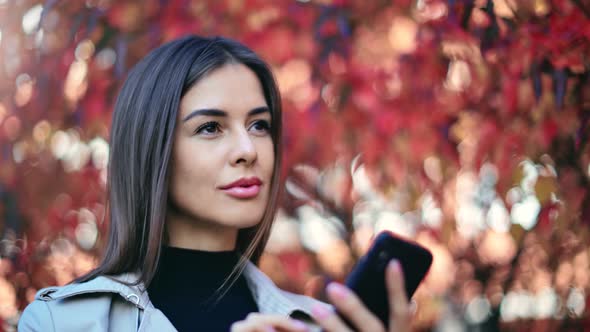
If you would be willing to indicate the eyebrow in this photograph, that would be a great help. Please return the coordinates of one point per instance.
(217, 112)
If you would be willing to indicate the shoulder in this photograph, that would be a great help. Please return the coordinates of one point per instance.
(68, 307)
(57, 309)
(36, 317)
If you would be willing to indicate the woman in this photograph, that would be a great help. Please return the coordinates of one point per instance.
(193, 182)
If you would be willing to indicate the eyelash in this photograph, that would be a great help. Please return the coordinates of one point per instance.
(206, 125)
(265, 124)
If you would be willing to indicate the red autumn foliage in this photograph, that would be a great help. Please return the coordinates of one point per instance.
(470, 106)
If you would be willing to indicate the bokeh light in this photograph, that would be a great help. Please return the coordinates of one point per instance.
(461, 126)
(31, 19)
(76, 84)
(24, 90)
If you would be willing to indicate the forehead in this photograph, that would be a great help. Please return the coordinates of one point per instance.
(231, 87)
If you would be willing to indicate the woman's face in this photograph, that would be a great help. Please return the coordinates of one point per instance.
(222, 159)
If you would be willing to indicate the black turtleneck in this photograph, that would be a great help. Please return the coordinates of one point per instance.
(185, 282)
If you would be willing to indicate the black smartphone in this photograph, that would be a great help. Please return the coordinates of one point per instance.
(367, 278)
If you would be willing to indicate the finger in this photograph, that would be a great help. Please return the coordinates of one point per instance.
(412, 308)
(265, 322)
(328, 320)
(250, 326)
(279, 322)
(398, 301)
(350, 306)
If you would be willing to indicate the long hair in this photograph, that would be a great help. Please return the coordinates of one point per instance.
(141, 141)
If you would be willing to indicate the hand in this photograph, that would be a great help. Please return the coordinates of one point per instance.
(256, 322)
(350, 306)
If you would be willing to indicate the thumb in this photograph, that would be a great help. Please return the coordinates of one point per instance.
(399, 313)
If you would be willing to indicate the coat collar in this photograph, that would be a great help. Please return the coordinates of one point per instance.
(269, 298)
(122, 284)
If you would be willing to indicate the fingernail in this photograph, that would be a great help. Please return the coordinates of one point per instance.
(270, 329)
(299, 325)
(320, 312)
(395, 265)
(337, 290)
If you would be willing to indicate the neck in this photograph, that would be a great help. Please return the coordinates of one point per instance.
(185, 232)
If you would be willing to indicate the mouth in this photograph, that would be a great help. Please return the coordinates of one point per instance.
(243, 188)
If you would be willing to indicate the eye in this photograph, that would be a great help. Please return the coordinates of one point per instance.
(261, 126)
(208, 128)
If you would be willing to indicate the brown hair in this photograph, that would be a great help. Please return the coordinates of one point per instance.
(141, 143)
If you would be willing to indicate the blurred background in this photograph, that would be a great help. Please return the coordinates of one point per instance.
(461, 124)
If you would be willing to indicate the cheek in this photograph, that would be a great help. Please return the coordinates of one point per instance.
(267, 157)
(190, 172)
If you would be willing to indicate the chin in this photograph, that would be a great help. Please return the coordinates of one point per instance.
(240, 221)
(243, 216)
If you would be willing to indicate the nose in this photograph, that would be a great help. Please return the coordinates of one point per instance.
(244, 151)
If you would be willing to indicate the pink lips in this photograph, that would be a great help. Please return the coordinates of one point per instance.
(243, 188)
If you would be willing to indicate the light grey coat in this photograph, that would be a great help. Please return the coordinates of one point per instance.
(105, 304)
